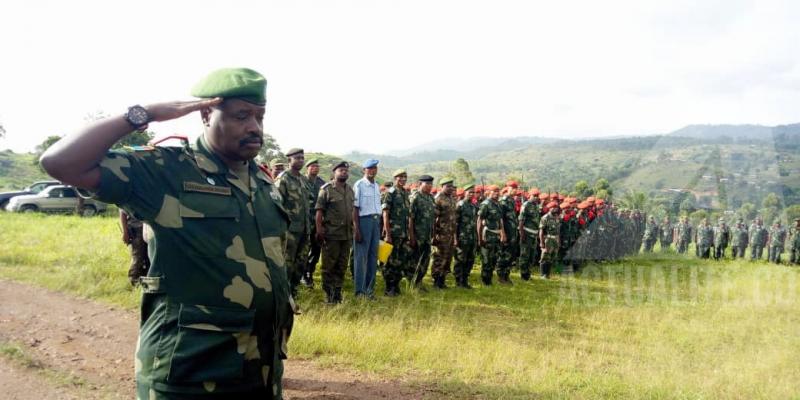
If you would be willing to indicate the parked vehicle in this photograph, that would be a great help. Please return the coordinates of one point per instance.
(35, 188)
(54, 199)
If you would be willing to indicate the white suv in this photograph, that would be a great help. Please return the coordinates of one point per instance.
(54, 199)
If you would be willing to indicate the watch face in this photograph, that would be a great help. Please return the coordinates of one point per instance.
(137, 115)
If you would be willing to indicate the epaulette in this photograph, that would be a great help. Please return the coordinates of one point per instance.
(139, 148)
(281, 174)
(325, 185)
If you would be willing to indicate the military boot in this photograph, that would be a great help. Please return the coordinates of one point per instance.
(337, 295)
(329, 295)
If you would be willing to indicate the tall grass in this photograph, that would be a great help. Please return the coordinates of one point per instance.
(651, 326)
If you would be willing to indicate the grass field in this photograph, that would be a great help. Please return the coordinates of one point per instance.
(656, 326)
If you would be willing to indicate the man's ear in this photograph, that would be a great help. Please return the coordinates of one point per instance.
(205, 114)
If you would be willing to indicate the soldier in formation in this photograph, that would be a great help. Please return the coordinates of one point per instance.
(776, 240)
(739, 239)
(294, 190)
(334, 230)
(722, 236)
(757, 239)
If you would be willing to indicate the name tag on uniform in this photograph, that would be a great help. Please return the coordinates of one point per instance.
(203, 188)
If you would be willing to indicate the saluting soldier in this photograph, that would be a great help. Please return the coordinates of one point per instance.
(466, 237)
(549, 238)
(216, 308)
(294, 190)
(396, 210)
(739, 238)
(423, 212)
(490, 233)
(529, 217)
(757, 239)
(334, 230)
(444, 232)
(315, 183)
(722, 236)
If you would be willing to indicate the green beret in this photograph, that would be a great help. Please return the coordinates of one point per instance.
(312, 161)
(233, 83)
(469, 186)
(445, 181)
(399, 172)
(336, 165)
(294, 151)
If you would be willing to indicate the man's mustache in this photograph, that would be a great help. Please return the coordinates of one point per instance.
(252, 139)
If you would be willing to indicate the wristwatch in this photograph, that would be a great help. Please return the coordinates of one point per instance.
(137, 116)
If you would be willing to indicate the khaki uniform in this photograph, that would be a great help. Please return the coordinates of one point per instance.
(337, 220)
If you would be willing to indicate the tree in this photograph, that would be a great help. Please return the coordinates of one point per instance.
(582, 189)
(635, 200)
(771, 200)
(461, 173)
(136, 138)
(792, 212)
(688, 205)
(602, 184)
(270, 150)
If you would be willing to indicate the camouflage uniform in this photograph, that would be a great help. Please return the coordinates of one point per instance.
(665, 235)
(777, 238)
(705, 239)
(336, 205)
(397, 204)
(550, 229)
(651, 234)
(215, 309)
(315, 249)
(794, 245)
(529, 217)
(491, 212)
(739, 239)
(722, 235)
(294, 191)
(423, 211)
(683, 236)
(466, 231)
(510, 248)
(757, 239)
(444, 233)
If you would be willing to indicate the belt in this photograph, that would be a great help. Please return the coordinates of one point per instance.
(495, 231)
(552, 236)
(529, 230)
(373, 216)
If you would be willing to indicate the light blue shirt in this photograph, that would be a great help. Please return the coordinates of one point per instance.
(367, 197)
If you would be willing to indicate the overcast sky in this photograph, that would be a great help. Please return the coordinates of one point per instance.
(379, 75)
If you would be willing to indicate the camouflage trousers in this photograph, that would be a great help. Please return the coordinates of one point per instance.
(549, 255)
(648, 245)
(335, 255)
(794, 255)
(295, 255)
(490, 252)
(505, 258)
(528, 253)
(398, 263)
(756, 251)
(140, 262)
(719, 252)
(737, 251)
(314, 252)
(464, 260)
(418, 267)
(665, 245)
(147, 392)
(442, 256)
(683, 245)
(703, 251)
(774, 253)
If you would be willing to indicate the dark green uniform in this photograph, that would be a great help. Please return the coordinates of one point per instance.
(757, 239)
(651, 234)
(216, 304)
(722, 236)
(529, 217)
(491, 212)
(705, 240)
(336, 205)
(314, 251)
(423, 210)
(444, 235)
(510, 250)
(397, 204)
(683, 236)
(739, 238)
(665, 235)
(777, 239)
(294, 190)
(466, 235)
(550, 229)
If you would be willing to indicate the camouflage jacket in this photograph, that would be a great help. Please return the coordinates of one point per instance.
(722, 236)
(215, 304)
(423, 211)
(665, 232)
(337, 211)
(466, 218)
(651, 231)
(550, 226)
(705, 235)
(509, 215)
(491, 212)
(758, 235)
(314, 185)
(684, 232)
(794, 241)
(294, 190)
(396, 202)
(777, 236)
(739, 236)
(445, 219)
(530, 215)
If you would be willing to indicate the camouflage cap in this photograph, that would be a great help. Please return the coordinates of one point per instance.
(276, 162)
(233, 83)
(472, 186)
(399, 172)
(312, 162)
(445, 181)
(294, 151)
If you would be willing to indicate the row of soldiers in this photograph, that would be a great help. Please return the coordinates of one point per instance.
(439, 225)
(713, 241)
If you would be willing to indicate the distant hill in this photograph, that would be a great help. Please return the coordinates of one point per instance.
(18, 171)
(736, 132)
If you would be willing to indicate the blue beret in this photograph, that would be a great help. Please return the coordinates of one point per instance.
(371, 163)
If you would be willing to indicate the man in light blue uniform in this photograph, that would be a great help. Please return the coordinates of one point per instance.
(367, 213)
